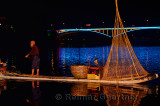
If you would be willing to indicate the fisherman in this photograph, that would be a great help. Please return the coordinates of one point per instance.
(35, 57)
(96, 63)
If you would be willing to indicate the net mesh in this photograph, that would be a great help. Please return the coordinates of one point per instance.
(122, 62)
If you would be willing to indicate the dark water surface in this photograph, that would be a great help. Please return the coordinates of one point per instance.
(18, 93)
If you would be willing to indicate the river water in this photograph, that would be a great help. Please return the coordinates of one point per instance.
(149, 57)
(29, 93)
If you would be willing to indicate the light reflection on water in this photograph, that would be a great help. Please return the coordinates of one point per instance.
(49, 93)
(148, 57)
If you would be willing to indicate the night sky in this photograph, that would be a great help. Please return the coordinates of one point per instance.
(35, 16)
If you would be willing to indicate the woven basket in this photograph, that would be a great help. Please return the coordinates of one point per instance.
(80, 71)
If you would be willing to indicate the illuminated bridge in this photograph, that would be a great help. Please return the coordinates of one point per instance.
(104, 31)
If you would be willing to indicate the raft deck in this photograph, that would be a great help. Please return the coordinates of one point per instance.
(16, 76)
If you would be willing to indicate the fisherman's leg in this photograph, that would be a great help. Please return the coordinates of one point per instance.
(32, 72)
(37, 65)
(37, 72)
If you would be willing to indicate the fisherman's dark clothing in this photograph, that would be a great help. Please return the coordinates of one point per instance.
(35, 57)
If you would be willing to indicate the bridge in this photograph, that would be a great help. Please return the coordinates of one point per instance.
(104, 31)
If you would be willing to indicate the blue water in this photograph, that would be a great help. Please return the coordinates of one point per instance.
(149, 57)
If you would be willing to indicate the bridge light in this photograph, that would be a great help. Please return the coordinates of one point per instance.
(63, 24)
(133, 25)
(51, 25)
(88, 25)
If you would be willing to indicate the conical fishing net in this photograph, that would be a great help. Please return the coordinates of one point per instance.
(122, 61)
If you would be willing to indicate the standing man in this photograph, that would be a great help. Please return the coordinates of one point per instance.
(35, 57)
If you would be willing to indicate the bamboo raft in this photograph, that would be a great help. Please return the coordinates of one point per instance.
(16, 76)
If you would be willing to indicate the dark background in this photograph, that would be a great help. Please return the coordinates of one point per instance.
(33, 16)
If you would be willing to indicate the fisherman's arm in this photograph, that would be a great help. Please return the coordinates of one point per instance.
(27, 55)
(32, 51)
